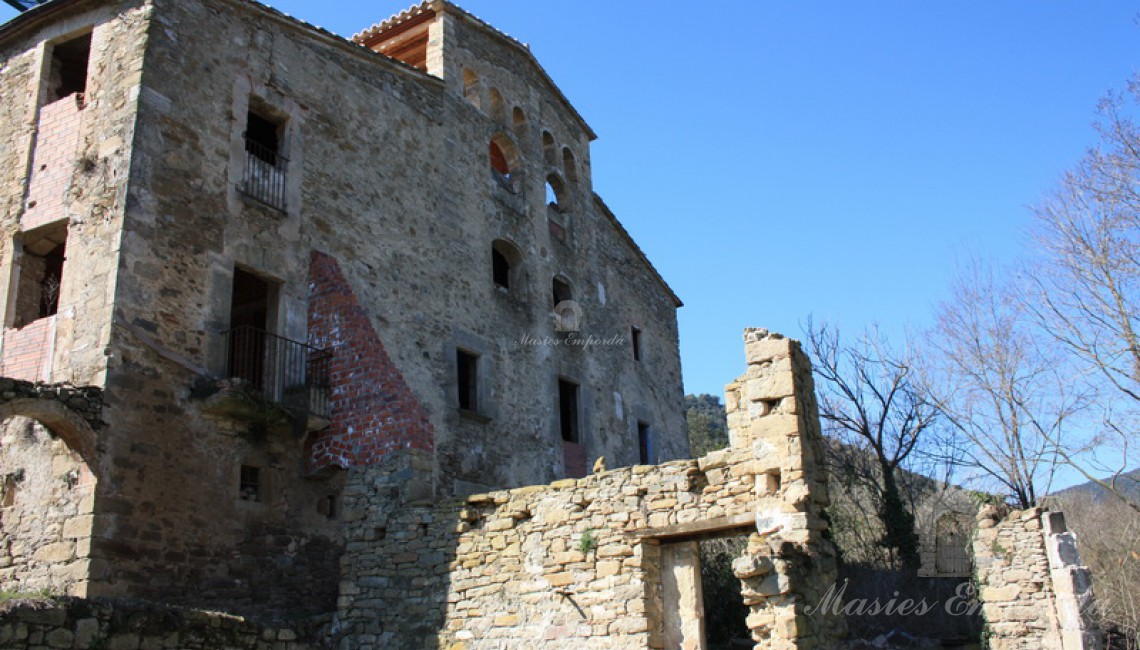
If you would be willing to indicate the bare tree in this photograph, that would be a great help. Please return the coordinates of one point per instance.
(870, 399)
(1006, 395)
(1085, 286)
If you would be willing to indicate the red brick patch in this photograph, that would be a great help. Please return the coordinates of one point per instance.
(373, 411)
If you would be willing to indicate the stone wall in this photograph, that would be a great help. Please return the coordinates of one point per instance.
(47, 496)
(66, 167)
(600, 562)
(120, 625)
(1034, 593)
(389, 179)
(47, 487)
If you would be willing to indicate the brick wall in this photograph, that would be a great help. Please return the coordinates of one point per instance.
(373, 411)
(54, 162)
(28, 351)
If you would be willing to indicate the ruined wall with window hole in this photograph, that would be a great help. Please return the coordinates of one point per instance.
(47, 497)
(579, 563)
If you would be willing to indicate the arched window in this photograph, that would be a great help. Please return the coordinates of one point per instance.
(569, 165)
(471, 88)
(548, 149)
(518, 121)
(952, 536)
(506, 265)
(504, 159)
(555, 193)
(497, 108)
(499, 159)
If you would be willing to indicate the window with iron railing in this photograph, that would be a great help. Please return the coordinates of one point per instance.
(290, 373)
(263, 178)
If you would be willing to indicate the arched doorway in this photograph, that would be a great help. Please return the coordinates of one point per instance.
(47, 496)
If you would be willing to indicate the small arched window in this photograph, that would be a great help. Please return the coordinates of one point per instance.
(555, 193)
(471, 88)
(549, 152)
(506, 264)
(497, 107)
(569, 165)
(504, 159)
(518, 122)
(499, 159)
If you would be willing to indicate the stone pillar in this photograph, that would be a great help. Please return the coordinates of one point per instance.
(1072, 584)
(789, 566)
(1034, 594)
(684, 600)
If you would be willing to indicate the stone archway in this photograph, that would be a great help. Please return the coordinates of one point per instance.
(47, 486)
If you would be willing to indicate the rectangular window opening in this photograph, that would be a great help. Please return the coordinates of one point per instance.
(560, 290)
(644, 445)
(40, 274)
(467, 376)
(501, 269)
(327, 506)
(635, 340)
(568, 410)
(264, 174)
(250, 486)
(262, 137)
(68, 73)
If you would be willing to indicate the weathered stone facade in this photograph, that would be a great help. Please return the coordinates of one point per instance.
(292, 255)
(1034, 592)
(372, 229)
(605, 561)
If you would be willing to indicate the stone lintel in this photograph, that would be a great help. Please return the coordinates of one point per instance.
(695, 529)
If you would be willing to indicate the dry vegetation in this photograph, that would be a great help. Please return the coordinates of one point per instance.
(1108, 535)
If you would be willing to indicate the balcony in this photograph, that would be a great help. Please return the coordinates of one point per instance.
(263, 178)
(273, 384)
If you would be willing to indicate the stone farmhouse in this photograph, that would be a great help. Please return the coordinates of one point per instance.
(298, 254)
(331, 331)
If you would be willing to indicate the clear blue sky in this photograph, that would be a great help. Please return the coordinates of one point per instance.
(777, 159)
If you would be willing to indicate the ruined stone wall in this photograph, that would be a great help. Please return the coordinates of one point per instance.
(82, 624)
(66, 165)
(47, 496)
(1033, 590)
(65, 169)
(579, 563)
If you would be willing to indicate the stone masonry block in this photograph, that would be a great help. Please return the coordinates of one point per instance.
(767, 349)
(773, 383)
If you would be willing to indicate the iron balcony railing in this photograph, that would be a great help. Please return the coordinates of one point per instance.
(287, 372)
(264, 176)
